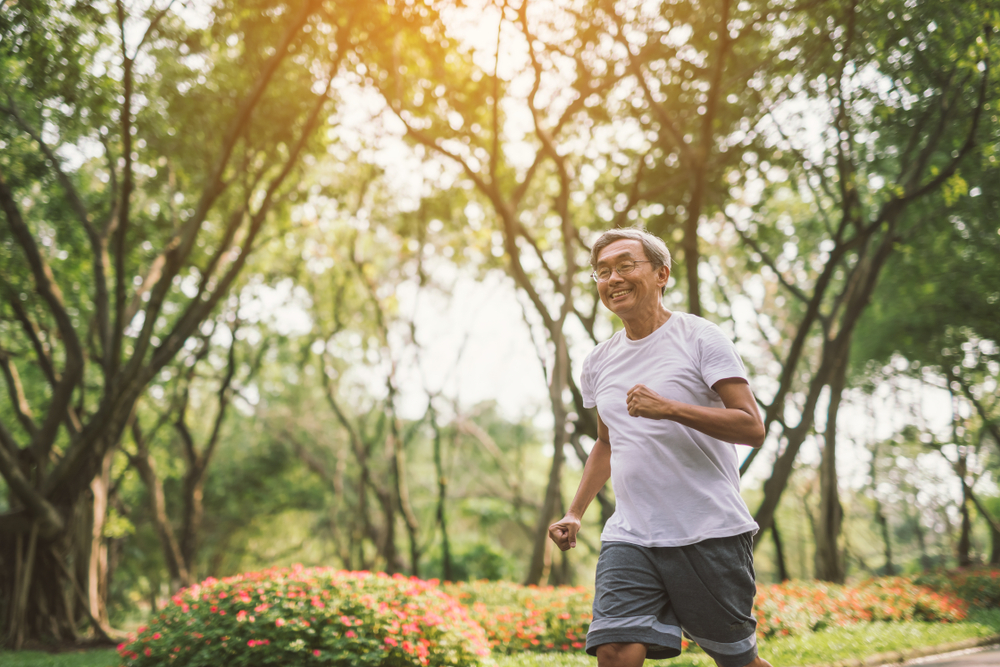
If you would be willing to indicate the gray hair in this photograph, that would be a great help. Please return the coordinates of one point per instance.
(655, 249)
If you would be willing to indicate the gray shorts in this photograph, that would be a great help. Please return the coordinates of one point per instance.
(647, 595)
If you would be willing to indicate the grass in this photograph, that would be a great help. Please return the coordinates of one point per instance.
(818, 648)
(863, 640)
(91, 658)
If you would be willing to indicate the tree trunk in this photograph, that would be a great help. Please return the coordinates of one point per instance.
(829, 560)
(442, 486)
(918, 530)
(52, 586)
(537, 567)
(43, 593)
(779, 554)
(994, 546)
(193, 514)
(965, 535)
(883, 522)
(97, 571)
(553, 492)
(880, 517)
(964, 538)
(177, 567)
(993, 524)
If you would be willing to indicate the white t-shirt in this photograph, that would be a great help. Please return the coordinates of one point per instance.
(673, 485)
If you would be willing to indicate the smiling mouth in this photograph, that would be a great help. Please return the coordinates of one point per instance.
(620, 293)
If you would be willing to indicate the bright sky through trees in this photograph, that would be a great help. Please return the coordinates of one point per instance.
(499, 360)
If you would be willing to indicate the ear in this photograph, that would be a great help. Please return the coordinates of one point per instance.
(662, 275)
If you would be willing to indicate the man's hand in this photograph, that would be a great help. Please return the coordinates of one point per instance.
(563, 532)
(644, 402)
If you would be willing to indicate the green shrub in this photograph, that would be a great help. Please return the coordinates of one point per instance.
(527, 618)
(472, 562)
(310, 617)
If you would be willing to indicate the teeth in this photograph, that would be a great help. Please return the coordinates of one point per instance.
(615, 295)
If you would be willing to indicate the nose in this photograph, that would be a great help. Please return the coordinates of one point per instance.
(615, 276)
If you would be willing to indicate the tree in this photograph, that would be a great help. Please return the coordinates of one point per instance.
(129, 209)
(951, 271)
(625, 116)
(196, 438)
(905, 92)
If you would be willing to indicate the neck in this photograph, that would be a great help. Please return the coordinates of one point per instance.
(640, 327)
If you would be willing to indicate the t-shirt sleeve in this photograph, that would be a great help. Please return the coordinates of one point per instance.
(587, 385)
(719, 358)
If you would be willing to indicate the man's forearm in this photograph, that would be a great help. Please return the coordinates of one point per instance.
(596, 473)
(739, 422)
(726, 424)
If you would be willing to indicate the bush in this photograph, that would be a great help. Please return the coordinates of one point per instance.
(798, 607)
(472, 562)
(979, 586)
(527, 618)
(310, 617)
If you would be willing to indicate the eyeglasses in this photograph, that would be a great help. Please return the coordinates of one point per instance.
(625, 267)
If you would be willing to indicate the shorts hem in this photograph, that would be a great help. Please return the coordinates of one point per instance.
(659, 646)
(738, 660)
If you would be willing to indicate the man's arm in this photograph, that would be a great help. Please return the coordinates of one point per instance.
(595, 475)
(739, 422)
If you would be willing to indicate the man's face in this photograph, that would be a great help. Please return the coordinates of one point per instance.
(636, 293)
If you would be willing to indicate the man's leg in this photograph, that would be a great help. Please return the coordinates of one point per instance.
(757, 662)
(621, 655)
(633, 619)
(711, 585)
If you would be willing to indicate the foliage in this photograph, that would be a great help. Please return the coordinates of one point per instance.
(979, 586)
(799, 607)
(527, 618)
(310, 616)
(475, 561)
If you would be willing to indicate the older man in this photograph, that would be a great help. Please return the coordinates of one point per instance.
(672, 396)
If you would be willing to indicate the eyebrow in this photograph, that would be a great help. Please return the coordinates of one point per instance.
(625, 254)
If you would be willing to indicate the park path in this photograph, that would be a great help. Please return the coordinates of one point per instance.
(988, 656)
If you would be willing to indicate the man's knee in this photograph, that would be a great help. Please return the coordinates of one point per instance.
(620, 655)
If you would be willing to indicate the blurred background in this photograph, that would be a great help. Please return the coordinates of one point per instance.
(308, 282)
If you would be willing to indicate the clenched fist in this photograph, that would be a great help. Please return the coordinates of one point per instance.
(644, 402)
(563, 532)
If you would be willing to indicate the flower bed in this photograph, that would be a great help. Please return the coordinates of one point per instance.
(315, 616)
(518, 618)
(798, 607)
(527, 618)
(979, 586)
(321, 616)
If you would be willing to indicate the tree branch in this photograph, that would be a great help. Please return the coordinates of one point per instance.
(16, 392)
(33, 332)
(50, 522)
(48, 289)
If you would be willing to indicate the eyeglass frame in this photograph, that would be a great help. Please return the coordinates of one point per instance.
(615, 269)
